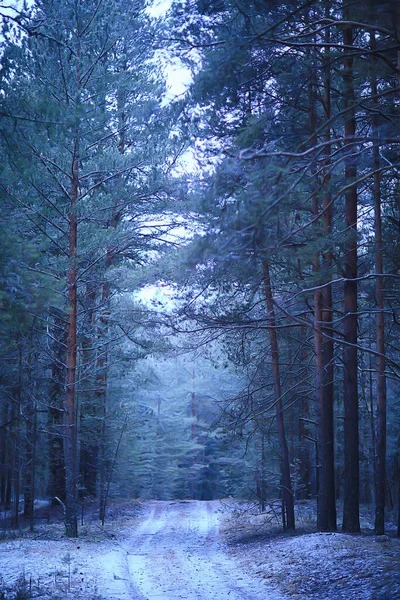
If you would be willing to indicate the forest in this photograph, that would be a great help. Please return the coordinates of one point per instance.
(200, 290)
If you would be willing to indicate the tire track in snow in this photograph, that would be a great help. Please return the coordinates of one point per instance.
(176, 554)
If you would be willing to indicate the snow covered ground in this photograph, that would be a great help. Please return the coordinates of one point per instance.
(172, 550)
(200, 551)
(317, 566)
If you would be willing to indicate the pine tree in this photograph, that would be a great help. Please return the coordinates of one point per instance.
(85, 99)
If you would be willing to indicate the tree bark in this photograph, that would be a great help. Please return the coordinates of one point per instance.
(4, 465)
(102, 363)
(193, 414)
(101, 400)
(304, 430)
(71, 519)
(30, 446)
(380, 434)
(351, 518)
(90, 422)
(30, 464)
(286, 484)
(16, 469)
(327, 496)
(101, 381)
(56, 485)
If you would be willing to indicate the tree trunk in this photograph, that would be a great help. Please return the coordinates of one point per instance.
(56, 486)
(6, 448)
(29, 482)
(380, 436)
(111, 471)
(90, 422)
(321, 492)
(30, 455)
(17, 408)
(100, 393)
(351, 519)
(102, 362)
(71, 519)
(304, 449)
(30, 433)
(4, 417)
(262, 478)
(193, 414)
(286, 484)
(327, 495)
(398, 486)
(103, 473)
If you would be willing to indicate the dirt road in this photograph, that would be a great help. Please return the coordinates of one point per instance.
(175, 550)
(170, 551)
(176, 553)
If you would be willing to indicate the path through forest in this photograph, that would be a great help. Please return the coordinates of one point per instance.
(177, 552)
(193, 550)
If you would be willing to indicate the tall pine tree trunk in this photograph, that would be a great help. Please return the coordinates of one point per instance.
(16, 464)
(351, 518)
(30, 467)
(101, 403)
(90, 428)
(380, 434)
(102, 363)
(4, 468)
(71, 520)
(327, 495)
(101, 379)
(30, 440)
(304, 433)
(286, 484)
(318, 339)
(58, 335)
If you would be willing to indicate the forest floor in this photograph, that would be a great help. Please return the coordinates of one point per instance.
(316, 566)
(220, 550)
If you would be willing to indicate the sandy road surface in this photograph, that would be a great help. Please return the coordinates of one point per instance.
(176, 553)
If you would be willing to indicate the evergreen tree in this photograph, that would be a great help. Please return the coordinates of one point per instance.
(84, 101)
